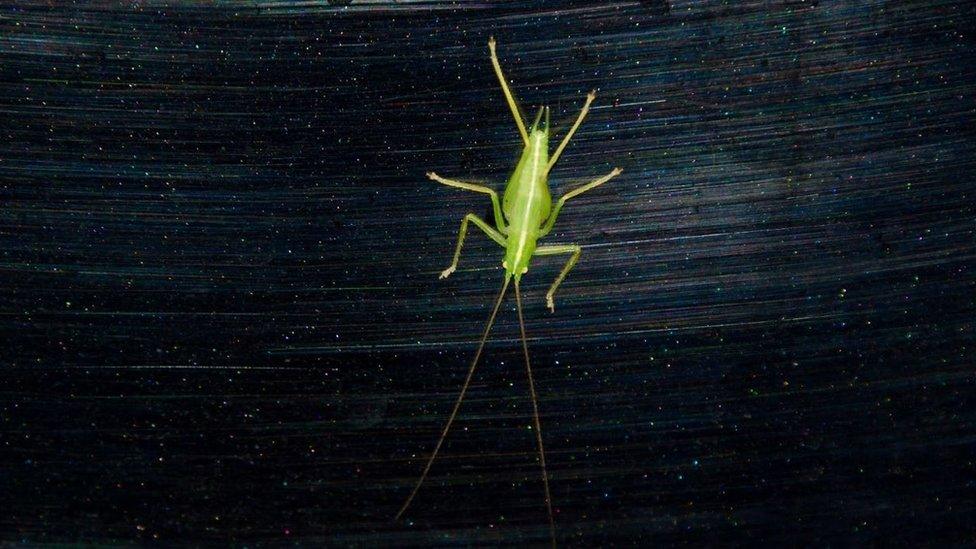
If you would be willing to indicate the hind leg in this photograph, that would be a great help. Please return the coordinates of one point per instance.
(508, 93)
(579, 120)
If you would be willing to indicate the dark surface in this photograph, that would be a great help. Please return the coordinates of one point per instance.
(219, 305)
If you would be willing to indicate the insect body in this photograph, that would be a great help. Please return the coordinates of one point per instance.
(526, 214)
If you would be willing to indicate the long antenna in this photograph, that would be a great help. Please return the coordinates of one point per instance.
(457, 405)
(535, 416)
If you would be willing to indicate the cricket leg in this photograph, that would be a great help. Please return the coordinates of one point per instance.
(579, 120)
(496, 206)
(492, 233)
(558, 250)
(508, 93)
(575, 192)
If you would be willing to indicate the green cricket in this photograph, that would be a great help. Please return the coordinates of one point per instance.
(529, 214)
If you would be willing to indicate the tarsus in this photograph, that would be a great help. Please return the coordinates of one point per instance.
(457, 405)
(535, 417)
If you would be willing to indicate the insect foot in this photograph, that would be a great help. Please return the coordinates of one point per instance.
(447, 272)
(550, 303)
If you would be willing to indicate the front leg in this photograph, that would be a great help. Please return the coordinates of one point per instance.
(492, 233)
(499, 218)
(559, 249)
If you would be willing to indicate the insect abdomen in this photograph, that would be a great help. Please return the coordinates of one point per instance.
(528, 186)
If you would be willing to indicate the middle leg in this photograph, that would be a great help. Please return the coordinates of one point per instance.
(496, 207)
(575, 192)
